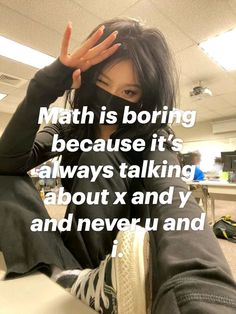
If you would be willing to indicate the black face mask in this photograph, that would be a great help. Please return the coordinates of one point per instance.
(101, 98)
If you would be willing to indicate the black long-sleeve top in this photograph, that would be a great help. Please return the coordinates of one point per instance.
(22, 146)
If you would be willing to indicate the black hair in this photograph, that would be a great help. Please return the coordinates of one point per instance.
(152, 59)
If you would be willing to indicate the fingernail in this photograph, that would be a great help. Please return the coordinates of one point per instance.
(118, 44)
(102, 27)
(70, 23)
(115, 33)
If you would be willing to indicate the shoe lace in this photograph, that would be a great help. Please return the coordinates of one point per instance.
(88, 277)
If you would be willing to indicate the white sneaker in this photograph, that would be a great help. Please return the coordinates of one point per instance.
(120, 285)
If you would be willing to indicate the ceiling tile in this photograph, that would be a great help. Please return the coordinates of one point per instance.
(193, 63)
(12, 99)
(207, 115)
(40, 25)
(212, 115)
(149, 14)
(54, 15)
(230, 98)
(230, 112)
(19, 92)
(106, 9)
(6, 89)
(27, 32)
(15, 68)
(196, 105)
(184, 80)
(222, 84)
(7, 107)
(224, 116)
(204, 116)
(233, 75)
(4, 118)
(216, 104)
(232, 4)
(199, 19)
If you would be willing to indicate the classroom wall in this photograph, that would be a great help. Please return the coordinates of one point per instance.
(201, 138)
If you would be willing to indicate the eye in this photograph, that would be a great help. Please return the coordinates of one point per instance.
(129, 92)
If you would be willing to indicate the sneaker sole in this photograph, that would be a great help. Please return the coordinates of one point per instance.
(132, 272)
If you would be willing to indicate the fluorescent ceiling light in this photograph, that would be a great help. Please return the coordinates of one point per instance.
(2, 96)
(21, 53)
(222, 49)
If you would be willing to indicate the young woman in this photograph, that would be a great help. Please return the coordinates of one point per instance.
(122, 63)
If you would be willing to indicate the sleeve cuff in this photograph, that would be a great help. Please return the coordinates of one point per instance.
(56, 76)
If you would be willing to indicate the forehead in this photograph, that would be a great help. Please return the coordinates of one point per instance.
(121, 71)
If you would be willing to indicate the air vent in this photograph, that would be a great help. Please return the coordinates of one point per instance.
(11, 80)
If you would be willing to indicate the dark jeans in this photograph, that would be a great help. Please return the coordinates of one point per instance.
(190, 273)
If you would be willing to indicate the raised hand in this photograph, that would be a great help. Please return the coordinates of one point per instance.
(87, 55)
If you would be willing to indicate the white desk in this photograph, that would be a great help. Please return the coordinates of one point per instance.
(217, 190)
(36, 294)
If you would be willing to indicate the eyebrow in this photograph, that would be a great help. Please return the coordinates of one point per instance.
(133, 85)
